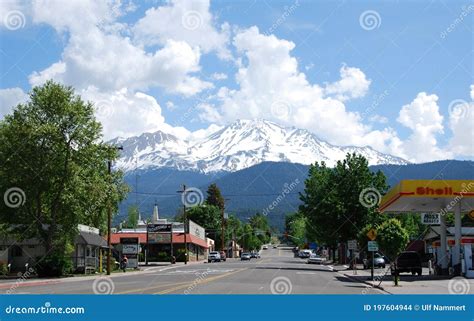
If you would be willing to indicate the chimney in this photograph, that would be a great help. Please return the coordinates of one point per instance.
(156, 216)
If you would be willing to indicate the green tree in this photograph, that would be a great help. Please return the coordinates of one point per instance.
(132, 218)
(214, 196)
(334, 203)
(51, 150)
(392, 238)
(320, 204)
(208, 216)
(295, 225)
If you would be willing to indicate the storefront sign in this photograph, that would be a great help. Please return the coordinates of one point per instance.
(156, 228)
(129, 248)
(430, 218)
(159, 238)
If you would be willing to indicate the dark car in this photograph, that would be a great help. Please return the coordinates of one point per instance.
(223, 256)
(409, 261)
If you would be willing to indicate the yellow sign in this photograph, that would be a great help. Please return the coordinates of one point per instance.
(471, 214)
(372, 234)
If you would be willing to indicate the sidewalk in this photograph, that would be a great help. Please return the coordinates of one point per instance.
(152, 267)
(409, 284)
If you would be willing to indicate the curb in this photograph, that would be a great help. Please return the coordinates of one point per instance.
(365, 282)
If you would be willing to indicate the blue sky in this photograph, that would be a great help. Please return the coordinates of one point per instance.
(399, 80)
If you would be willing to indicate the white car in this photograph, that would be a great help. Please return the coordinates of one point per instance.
(265, 247)
(316, 259)
(213, 256)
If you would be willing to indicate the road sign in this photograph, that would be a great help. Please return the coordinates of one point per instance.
(471, 214)
(372, 234)
(352, 244)
(372, 246)
(430, 218)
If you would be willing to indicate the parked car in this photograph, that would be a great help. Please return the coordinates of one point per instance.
(275, 246)
(223, 256)
(265, 247)
(213, 257)
(245, 256)
(379, 261)
(408, 261)
(255, 255)
(316, 259)
(304, 254)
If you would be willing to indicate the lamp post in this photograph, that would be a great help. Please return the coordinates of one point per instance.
(109, 217)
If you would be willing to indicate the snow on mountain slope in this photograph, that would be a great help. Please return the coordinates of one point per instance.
(239, 145)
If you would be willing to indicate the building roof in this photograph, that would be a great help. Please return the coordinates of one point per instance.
(90, 239)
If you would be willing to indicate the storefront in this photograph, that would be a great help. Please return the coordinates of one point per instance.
(437, 197)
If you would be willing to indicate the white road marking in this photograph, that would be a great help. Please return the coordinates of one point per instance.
(305, 273)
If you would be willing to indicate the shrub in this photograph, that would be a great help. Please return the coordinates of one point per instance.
(53, 265)
(3, 268)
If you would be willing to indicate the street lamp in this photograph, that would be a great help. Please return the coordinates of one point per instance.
(109, 216)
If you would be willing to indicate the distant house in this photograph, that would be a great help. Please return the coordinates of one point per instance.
(21, 254)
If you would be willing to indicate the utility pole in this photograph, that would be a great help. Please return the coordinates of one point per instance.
(185, 219)
(109, 217)
(223, 227)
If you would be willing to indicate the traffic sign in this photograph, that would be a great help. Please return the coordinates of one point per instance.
(372, 234)
(471, 214)
(372, 246)
(352, 244)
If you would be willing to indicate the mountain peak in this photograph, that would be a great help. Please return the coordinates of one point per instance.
(241, 144)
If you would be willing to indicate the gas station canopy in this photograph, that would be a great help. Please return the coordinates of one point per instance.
(435, 196)
(429, 196)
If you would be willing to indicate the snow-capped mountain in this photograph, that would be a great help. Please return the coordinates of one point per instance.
(239, 145)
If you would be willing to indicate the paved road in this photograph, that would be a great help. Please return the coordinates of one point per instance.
(277, 271)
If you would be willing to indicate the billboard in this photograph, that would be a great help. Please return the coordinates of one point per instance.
(197, 230)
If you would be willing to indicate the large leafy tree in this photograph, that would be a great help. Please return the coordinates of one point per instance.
(332, 199)
(52, 153)
(295, 225)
